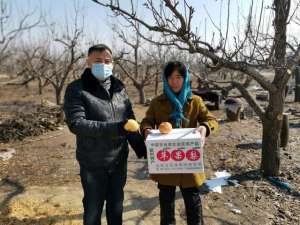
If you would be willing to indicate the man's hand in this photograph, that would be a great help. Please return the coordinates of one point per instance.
(202, 130)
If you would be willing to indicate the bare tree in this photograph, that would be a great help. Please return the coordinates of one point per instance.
(159, 56)
(10, 32)
(32, 68)
(53, 61)
(63, 58)
(140, 70)
(174, 20)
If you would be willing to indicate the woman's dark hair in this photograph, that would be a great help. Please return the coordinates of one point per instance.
(173, 66)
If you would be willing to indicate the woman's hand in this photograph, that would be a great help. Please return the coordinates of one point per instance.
(147, 132)
(202, 130)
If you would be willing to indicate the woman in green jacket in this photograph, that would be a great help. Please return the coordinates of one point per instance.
(182, 109)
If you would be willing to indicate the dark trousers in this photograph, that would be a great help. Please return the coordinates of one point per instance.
(192, 202)
(100, 186)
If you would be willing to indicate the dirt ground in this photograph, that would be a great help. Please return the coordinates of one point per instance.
(40, 184)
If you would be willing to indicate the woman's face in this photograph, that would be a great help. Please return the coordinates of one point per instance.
(175, 81)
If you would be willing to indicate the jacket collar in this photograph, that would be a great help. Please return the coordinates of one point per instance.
(91, 84)
(163, 97)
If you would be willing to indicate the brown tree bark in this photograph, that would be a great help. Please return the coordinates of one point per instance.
(58, 96)
(284, 135)
(297, 84)
(141, 91)
(40, 86)
(272, 121)
(142, 96)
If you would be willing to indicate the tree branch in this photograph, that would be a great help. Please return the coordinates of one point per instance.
(249, 98)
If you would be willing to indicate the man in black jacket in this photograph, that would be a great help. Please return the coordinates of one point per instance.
(97, 107)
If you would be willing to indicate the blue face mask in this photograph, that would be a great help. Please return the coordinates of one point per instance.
(102, 71)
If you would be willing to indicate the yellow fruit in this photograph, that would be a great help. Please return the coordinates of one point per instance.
(132, 126)
(165, 128)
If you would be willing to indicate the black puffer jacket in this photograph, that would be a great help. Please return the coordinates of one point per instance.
(97, 120)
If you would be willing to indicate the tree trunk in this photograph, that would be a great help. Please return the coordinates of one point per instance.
(156, 84)
(142, 98)
(40, 86)
(58, 96)
(60, 115)
(140, 88)
(297, 84)
(272, 122)
(284, 135)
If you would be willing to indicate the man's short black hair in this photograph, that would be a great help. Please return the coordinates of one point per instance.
(99, 48)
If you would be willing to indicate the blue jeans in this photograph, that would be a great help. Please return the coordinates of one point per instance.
(103, 185)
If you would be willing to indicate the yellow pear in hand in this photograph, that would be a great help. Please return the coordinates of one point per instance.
(132, 126)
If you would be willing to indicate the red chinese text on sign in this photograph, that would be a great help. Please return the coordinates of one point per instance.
(163, 155)
(193, 154)
(178, 155)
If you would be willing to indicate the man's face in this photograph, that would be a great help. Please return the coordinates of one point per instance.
(104, 57)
